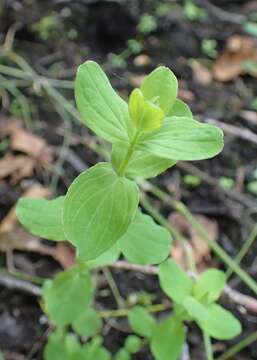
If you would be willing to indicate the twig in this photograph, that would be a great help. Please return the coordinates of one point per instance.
(146, 269)
(221, 14)
(244, 300)
(239, 132)
(12, 283)
(213, 182)
(235, 296)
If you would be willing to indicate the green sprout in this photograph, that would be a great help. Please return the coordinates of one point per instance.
(99, 216)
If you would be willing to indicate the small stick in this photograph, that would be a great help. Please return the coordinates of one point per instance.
(239, 132)
(10, 282)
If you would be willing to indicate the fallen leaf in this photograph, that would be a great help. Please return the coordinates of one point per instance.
(198, 246)
(201, 74)
(18, 167)
(26, 142)
(238, 50)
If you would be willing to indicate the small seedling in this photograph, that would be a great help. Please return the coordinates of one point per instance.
(99, 216)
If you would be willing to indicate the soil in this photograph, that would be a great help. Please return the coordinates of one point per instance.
(95, 29)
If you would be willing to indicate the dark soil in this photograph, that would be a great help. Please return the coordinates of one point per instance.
(92, 30)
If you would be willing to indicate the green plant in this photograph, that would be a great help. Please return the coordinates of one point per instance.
(46, 26)
(99, 215)
(226, 182)
(209, 47)
(147, 24)
(251, 28)
(193, 12)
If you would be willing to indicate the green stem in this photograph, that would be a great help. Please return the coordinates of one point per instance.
(124, 312)
(119, 300)
(208, 346)
(129, 153)
(246, 246)
(230, 353)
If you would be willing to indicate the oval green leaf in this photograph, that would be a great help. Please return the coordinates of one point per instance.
(42, 217)
(183, 138)
(180, 108)
(145, 242)
(174, 281)
(98, 209)
(101, 108)
(141, 322)
(209, 286)
(145, 115)
(168, 339)
(161, 87)
(89, 323)
(67, 296)
(220, 323)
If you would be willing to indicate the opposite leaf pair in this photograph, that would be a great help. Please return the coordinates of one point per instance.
(144, 242)
(194, 300)
(148, 136)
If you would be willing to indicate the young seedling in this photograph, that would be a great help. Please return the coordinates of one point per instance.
(99, 215)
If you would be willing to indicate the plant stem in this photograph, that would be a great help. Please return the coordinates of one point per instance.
(124, 312)
(119, 300)
(128, 155)
(208, 346)
(246, 246)
(248, 340)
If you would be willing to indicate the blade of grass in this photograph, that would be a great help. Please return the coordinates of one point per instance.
(230, 353)
(246, 246)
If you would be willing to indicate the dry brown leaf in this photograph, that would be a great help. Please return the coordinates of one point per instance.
(31, 145)
(230, 64)
(195, 243)
(26, 142)
(201, 74)
(18, 167)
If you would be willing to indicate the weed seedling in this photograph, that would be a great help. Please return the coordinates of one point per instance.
(99, 216)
